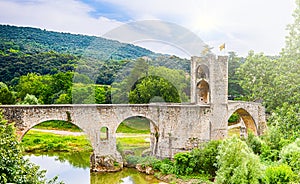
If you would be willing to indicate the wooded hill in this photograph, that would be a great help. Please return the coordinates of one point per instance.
(31, 50)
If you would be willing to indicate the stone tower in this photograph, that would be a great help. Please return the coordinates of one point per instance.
(209, 87)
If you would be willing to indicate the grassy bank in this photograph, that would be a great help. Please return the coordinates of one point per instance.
(35, 141)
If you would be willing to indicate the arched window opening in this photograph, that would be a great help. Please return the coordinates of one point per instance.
(203, 92)
(104, 133)
(203, 72)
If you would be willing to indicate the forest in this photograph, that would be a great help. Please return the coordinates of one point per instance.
(43, 67)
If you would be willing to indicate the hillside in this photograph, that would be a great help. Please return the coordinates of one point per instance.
(31, 50)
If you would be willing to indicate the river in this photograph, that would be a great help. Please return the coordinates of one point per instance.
(74, 169)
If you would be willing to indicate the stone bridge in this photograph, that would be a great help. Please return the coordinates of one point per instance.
(174, 127)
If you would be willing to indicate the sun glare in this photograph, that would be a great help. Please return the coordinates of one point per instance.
(205, 23)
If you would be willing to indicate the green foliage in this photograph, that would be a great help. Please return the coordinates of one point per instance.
(254, 142)
(146, 89)
(26, 50)
(286, 121)
(6, 96)
(234, 118)
(13, 167)
(183, 163)
(206, 158)
(258, 80)
(279, 174)
(234, 88)
(165, 166)
(126, 127)
(177, 78)
(30, 100)
(237, 163)
(290, 155)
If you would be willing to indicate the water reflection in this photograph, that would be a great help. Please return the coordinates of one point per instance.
(74, 169)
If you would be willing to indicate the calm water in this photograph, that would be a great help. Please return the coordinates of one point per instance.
(75, 169)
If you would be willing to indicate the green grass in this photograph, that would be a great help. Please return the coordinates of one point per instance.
(35, 141)
(135, 144)
(234, 131)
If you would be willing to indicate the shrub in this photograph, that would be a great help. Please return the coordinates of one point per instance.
(183, 163)
(254, 143)
(166, 168)
(237, 163)
(279, 174)
(290, 155)
(132, 160)
(206, 158)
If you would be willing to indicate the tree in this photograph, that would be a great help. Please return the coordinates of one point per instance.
(258, 77)
(178, 78)
(34, 84)
(120, 90)
(30, 100)
(13, 167)
(6, 96)
(234, 88)
(292, 49)
(149, 88)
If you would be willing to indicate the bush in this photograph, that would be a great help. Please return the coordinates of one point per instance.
(279, 174)
(254, 143)
(132, 160)
(237, 163)
(290, 155)
(183, 163)
(165, 166)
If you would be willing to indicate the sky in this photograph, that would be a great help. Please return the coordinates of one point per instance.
(243, 25)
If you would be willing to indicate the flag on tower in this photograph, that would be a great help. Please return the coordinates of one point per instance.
(222, 46)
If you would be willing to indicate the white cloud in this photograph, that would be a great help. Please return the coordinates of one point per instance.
(65, 16)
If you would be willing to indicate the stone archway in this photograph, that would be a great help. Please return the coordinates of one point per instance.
(246, 122)
(142, 122)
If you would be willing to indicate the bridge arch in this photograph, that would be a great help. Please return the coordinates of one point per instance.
(154, 131)
(247, 120)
